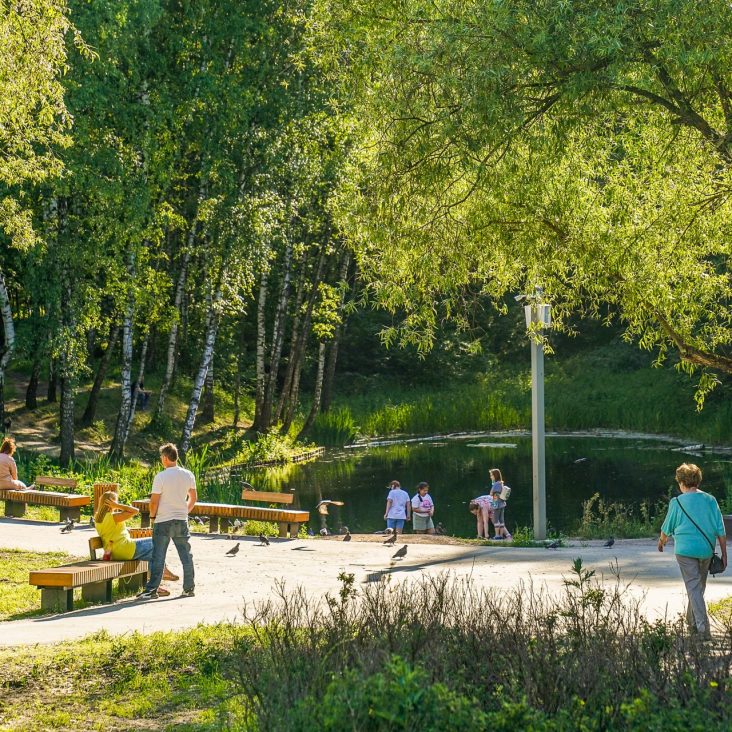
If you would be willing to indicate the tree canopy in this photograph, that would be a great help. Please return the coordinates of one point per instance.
(582, 146)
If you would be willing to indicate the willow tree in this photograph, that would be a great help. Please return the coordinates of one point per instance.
(583, 146)
(33, 121)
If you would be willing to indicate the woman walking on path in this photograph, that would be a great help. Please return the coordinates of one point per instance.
(8, 468)
(498, 504)
(397, 507)
(423, 509)
(480, 507)
(695, 522)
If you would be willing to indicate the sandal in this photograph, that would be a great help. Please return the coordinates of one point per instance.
(168, 576)
(162, 592)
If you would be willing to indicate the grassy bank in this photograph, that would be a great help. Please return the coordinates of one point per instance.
(426, 657)
(589, 391)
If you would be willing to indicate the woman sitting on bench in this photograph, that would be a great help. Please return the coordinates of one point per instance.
(109, 521)
(8, 468)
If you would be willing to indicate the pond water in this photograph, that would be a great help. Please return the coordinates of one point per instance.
(626, 469)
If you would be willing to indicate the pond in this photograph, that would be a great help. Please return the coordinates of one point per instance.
(629, 469)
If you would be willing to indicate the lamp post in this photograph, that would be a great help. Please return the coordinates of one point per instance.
(538, 317)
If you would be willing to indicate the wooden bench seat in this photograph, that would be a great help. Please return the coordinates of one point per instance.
(95, 577)
(288, 520)
(69, 504)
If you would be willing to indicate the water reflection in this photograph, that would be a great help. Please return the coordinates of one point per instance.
(629, 470)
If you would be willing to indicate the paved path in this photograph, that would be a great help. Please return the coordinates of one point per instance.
(225, 585)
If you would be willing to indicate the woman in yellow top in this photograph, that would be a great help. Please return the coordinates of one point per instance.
(110, 520)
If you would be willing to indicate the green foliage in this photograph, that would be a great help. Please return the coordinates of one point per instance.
(601, 519)
(335, 427)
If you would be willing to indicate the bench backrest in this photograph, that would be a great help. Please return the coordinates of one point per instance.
(95, 542)
(52, 480)
(99, 489)
(267, 497)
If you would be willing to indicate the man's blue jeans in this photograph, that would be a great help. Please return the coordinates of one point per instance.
(163, 532)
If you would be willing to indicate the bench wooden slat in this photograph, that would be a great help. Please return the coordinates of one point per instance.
(83, 573)
(46, 498)
(267, 496)
(226, 510)
(53, 480)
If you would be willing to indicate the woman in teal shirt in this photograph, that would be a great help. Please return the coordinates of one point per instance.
(694, 551)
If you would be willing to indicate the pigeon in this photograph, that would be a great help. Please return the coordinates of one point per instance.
(344, 530)
(347, 537)
(323, 532)
(311, 532)
(263, 540)
(440, 529)
(91, 521)
(234, 550)
(322, 507)
(198, 520)
(391, 540)
(609, 542)
(237, 524)
(555, 544)
(580, 460)
(68, 528)
(401, 553)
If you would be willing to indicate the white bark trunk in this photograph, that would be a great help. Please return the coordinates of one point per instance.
(261, 347)
(136, 389)
(206, 359)
(317, 392)
(9, 333)
(117, 448)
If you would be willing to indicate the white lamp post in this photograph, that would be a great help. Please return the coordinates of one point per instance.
(538, 317)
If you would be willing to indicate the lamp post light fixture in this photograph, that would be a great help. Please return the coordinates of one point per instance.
(538, 317)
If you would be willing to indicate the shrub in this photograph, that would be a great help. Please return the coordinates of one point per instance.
(601, 519)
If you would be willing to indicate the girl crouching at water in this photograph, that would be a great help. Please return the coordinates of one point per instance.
(480, 507)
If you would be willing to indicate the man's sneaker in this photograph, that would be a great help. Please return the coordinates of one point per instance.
(148, 595)
(188, 593)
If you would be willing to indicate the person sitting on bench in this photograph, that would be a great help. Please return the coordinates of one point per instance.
(8, 468)
(109, 521)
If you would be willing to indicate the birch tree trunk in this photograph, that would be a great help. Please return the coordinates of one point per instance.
(67, 417)
(317, 392)
(298, 355)
(178, 302)
(207, 409)
(116, 450)
(66, 365)
(136, 389)
(90, 413)
(278, 339)
(261, 347)
(8, 342)
(206, 360)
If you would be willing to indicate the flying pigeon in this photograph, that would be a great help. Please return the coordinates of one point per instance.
(263, 540)
(391, 540)
(609, 542)
(347, 537)
(555, 544)
(233, 551)
(198, 520)
(322, 507)
(401, 553)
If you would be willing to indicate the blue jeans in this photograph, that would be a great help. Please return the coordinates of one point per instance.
(163, 532)
(143, 549)
(395, 523)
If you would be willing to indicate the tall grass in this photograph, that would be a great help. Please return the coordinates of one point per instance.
(602, 519)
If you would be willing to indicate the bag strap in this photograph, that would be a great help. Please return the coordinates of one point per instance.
(695, 524)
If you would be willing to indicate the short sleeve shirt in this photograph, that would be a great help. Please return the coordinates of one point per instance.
(399, 499)
(688, 540)
(424, 503)
(173, 485)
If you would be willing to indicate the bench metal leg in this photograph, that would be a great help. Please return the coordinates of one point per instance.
(213, 524)
(97, 591)
(57, 599)
(133, 583)
(144, 520)
(16, 509)
(70, 513)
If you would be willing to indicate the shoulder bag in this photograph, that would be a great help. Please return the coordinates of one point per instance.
(715, 565)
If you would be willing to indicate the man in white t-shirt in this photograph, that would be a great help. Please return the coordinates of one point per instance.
(398, 507)
(173, 496)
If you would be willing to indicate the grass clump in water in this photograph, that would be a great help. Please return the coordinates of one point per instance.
(602, 519)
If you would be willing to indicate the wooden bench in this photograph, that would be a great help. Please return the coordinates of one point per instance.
(69, 504)
(94, 577)
(226, 513)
